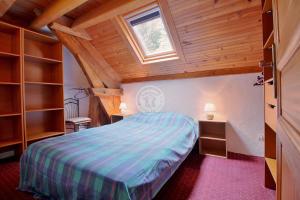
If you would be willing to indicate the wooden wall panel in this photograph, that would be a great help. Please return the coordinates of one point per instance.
(214, 35)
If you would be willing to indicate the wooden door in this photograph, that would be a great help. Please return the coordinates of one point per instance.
(287, 41)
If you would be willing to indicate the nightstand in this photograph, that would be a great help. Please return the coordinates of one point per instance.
(117, 117)
(212, 138)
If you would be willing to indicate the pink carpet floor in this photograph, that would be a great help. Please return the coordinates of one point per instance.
(199, 178)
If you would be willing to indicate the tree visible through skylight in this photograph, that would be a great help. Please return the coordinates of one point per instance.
(152, 34)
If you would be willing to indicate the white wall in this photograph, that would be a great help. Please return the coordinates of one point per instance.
(74, 78)
(234, 96)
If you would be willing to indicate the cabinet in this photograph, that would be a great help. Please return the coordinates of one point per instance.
(212, 138)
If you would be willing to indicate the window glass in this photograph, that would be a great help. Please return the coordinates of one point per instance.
(151, 33)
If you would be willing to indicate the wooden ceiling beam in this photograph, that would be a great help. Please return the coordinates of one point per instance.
(90, 74)
(5, 5)
(90, 61)
(107, 91)
(102, 107)
(107, 11)
(103, 101)
(197, 74)
(57, 9)
(106, 73)
(80, 33)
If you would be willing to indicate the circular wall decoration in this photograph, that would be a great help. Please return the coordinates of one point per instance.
(150, 99)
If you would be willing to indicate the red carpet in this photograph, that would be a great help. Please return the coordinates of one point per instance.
(199, 178)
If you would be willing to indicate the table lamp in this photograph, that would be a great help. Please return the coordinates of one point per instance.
(209, 108)
(123, 107)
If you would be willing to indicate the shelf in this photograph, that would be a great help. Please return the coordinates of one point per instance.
(10, 98)
(213, 147)
(39, 37)
(41, 48)
(41, 59)
(7, 143)
(9, 40)
(9, 83)
(213, 121)
(267, 6)
(272, 167)
(214, 152)
(8, 27)
(267, 22)
(212, 138)
(271, 116)
(43, 96)
(10, 70)
(43, 135)
(213, 133)
(269, 41)
(43, 83)
(269, 80)
(10, 114)
(8, 55)
(42, 72)
(43, 109)
(11, 129)
(269, 92)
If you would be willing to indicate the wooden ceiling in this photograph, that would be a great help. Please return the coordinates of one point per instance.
(226, 34)
(216, 36)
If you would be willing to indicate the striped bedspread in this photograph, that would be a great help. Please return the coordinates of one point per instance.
(130, 159)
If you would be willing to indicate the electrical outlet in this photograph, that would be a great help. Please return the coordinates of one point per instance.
(261, 138)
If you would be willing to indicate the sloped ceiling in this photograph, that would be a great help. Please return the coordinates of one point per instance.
(217, 37)
(213, 34)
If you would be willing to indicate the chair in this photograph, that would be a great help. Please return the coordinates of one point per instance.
(72, 115)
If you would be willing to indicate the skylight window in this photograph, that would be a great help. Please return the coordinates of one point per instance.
(151, 32)
(148, 34)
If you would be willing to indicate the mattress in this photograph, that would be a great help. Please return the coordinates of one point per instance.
(130, 159)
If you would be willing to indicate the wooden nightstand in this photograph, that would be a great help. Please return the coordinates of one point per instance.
(212, 138)
(117, 117)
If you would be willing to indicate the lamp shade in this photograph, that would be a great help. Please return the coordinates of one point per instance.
(209, 107)
(123, 106)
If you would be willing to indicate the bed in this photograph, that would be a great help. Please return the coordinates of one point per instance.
(130, 159)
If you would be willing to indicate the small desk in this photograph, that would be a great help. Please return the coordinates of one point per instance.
(212, 138)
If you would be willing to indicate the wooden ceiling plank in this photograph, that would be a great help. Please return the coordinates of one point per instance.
(54, 11)
(5, 5)
(107, 11)
(80, 33)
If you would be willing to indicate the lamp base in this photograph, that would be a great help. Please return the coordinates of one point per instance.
(210, 116)
(123, 112)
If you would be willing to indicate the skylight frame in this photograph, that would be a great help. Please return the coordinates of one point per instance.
(136, 44)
